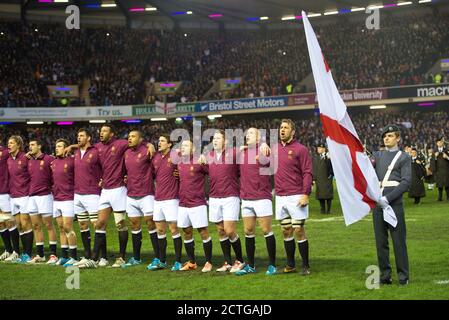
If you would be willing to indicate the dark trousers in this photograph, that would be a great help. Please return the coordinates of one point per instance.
(398, 236)
(440, 193)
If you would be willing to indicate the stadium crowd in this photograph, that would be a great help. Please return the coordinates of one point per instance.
(117, 61)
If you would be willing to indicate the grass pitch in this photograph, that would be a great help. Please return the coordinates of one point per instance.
(339, 256)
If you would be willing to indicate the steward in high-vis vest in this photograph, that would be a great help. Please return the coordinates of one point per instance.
(393, 168)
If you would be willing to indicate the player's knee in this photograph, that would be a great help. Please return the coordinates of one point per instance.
(266, 230)
(37, 226)
(287, 232)
(221, 233)
(230, 233)
(188, 233)
(173, 229)
(300, 233)
(10, 223)
(48, 225)
(70, 234)
(68, 229)
(121, 226)
(83, 225)
(249, 231)
(150, 222)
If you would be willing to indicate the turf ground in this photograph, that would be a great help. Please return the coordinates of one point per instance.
(339, 257)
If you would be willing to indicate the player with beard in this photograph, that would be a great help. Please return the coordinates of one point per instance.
(87, 191)
(113, 195)
(293, 185)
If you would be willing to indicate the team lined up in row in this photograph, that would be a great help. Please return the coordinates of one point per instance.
(166, 187)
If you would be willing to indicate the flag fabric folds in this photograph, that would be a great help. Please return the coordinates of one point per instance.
(357, 182)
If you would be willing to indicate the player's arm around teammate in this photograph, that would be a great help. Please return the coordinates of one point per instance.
(63, 171)
(166, 203)
(293, 184)
(224, 201)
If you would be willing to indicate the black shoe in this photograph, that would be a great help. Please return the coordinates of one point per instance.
(386, 281)
(328, 212)
(439, 199)
(322, 211)
(305, 271)
(403, 282)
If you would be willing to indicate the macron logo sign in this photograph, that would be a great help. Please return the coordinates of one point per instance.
(433, 91)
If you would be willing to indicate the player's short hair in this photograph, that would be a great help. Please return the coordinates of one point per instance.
(167, 137)
(220, 131)
(290, 123)
(87, 132)
(18, 140)
(111, 127)
(138, 132)
(38, 141)
(65, 141)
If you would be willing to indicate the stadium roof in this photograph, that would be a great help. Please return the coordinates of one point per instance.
(227, 11)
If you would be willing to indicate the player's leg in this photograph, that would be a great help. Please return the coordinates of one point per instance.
(117, 199)
(45, 208)
(15, 229)
(189, 245)
(6, 238)
(64, 242)
(249, 227)
(36, 220)
(216, 216)
(136, 235)
(154, 238)
(5, 215)
(264, 211)
(231, 211)
(100, 236)
(207, 247)
(225, 247)
(123, 234)
(284, 218)
(12, 226)
(160, 261)
(72, 240)
(303, 244)
(83, 222)
(27, 236)
(198, 218)
(265, 223)
(177, 243)
(48, 222)
(230, 228)
(289, 243)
